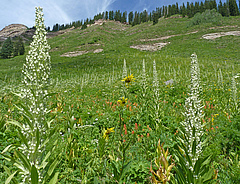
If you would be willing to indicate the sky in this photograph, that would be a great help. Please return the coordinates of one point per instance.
(66, 11)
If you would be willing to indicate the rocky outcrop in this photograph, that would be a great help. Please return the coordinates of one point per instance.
(12, 31)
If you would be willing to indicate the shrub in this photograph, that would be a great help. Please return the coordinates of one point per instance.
(209, 16)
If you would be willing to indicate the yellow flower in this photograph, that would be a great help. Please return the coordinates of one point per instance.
(128, 79)
(123, 101)
(107, 132)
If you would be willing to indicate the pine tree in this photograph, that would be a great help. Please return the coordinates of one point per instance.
(202, 7)
(155, 18)
(226, 12)
(233, 8)
(130, 17)
(111, 15)
(220, 8)
(183, 10)
(124, 17)
(15, 49)
(188, 11)
(106, 15)
(7, 48)
(21, 46)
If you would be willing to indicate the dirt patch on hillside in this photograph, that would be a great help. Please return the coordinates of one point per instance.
(152, 47)
(79, 53)
(212, 36)
(97, 50)
(73, 54)
(221, 27)
(165, 37)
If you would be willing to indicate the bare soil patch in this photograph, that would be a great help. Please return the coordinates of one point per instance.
(97, 50)
(212, 36)
(79, 53)
(165, 37)
(152, 47)
(73, 54)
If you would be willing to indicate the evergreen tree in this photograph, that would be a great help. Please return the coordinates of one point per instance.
(214, 4)
(192, 10)
(196, 8)
(18, 47)
(183, 10)
(207, 5)
(111, 15)
(15, 49)
(226, 12)
(220, 8)
(202, 7)
(233, 8)
(155, 18)
(106, 15)
(188, 11)
(144, 16)
(177, 9)
(124, 17)
(117, 16)
(130, 17)
(7, 48)
(21, 46)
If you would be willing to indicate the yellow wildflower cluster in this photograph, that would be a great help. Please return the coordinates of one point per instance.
(107, 132)
(122, 101)
(129, 79)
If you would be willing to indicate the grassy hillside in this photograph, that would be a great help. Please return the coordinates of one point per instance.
(115, 39)
(88, 88)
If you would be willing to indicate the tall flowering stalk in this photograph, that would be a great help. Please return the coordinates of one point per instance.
(193, 114)
(234, 92)
(35, 131)
(144, 80)
(156, 90)
(193, 167)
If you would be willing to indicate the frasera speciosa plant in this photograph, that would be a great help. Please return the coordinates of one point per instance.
(35, 131)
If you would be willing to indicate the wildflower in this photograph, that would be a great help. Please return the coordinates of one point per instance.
(136, 126)
(148, 135)
(129, 79)
(107, 132)
(123, 101)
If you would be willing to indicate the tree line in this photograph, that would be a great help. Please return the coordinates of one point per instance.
(11, 49)
(228, 8)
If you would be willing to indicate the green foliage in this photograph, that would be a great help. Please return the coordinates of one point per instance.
(7, 48)
(209, 16)
(233, 8)
(18, 48)
(89, 86)
(155, 18)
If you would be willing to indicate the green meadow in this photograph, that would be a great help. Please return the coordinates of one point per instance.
(100, 140)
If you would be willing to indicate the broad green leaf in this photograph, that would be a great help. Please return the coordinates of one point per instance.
(44, 163)
(10, 177)
(38, 141)
(21, 167)
(13, 122)
(6, 149)
(52, 167)
(50, 94)
(194, 147)
(54, 179)
(22, 137)
(34, 175)
(23, 159)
